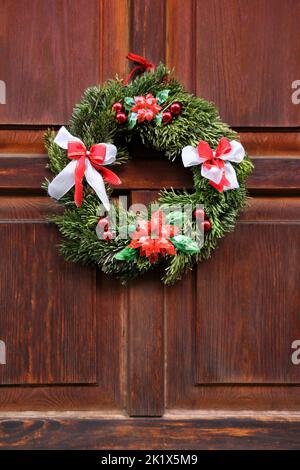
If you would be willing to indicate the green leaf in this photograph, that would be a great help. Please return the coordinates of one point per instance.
(127, 254)
(158, 119)
(132, 120)
(162, 96)
(185, 244)
(128, 103)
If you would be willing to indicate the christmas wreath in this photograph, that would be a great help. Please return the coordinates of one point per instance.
(184, 227)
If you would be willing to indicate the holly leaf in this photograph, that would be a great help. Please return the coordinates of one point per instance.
(132, 120)
(185, 244)
(127, 254)
(128, 103)
(162, 96)
(158, 119)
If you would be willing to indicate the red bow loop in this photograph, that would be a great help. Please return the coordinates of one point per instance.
(204, 150)
(224, 146)
(97, 154)
(140, 60)
(143, 65)
(76, 150)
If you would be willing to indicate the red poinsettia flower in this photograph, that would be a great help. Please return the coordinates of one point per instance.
(152, 237)
(146, 107)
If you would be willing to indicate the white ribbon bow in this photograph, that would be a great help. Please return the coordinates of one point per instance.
(215, 164)
(65, 180)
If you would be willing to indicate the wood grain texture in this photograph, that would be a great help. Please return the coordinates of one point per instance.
(148, 434)
(94, 315)
(146, 338)
(27, 172)
(22, 141)
(258, 143)
(183, 374)
(230, 48)
(267, 143)
(180, 321)
(256, 291)
(111, 337)
(44, 297)
(114, 39)
(49, 58)
(143, 339)
(181, 41)
(147, 29)
(240, 72)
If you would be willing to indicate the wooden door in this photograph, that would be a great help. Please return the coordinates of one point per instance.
(206, 363)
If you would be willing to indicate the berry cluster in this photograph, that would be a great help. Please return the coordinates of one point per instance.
(145, 108)
(173, 111)
(118, 108)
(200, 214)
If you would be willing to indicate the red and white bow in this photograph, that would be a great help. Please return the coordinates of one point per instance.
(215, 165)
(84, 163)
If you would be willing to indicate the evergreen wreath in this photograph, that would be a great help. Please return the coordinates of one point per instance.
(154, 109)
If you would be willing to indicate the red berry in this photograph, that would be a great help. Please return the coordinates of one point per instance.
(107, 235)
(199, 213)
(206, 225)
(117, 107)
(166, 117)
(121, 118)
(103, 223)
(175, 109)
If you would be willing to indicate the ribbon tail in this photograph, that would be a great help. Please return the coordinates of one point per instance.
(213, 173)
(95, 180)
(219, 187)
(109, 176)
(63, 182)
(230, 175)
(79, 174)
(137, 68)
(228, 181)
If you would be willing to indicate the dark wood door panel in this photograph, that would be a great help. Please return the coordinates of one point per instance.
(248, 299)
(47, 316)
(241, 55)
(204, 432)
(146, 336)
(271, 173)
(49, 55)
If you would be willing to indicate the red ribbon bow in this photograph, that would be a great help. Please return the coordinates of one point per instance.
(213, 159)
(143, 65)
(96, 155)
